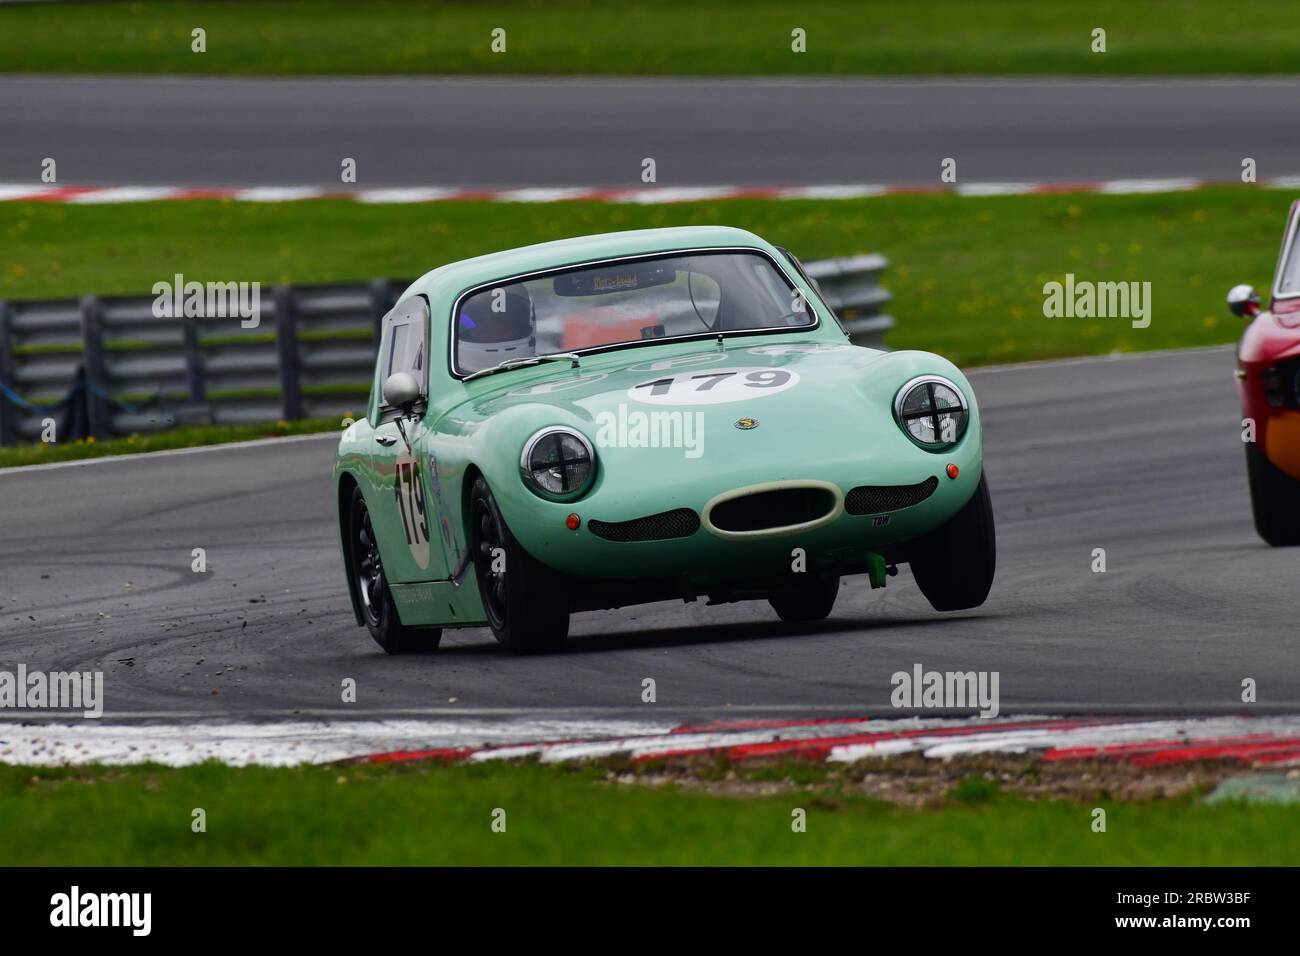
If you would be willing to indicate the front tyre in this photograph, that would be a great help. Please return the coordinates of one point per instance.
(377, 607)
(953, 564)
(1274, 499)
(526, 602)
(813, 600)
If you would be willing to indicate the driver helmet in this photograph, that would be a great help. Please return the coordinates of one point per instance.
(494, 326)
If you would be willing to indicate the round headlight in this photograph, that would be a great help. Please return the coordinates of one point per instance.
(558, 463)
(933, 412)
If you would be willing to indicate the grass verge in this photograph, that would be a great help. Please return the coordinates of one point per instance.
(189, 436)
(435, 815)
(967, 273)
(684, 37)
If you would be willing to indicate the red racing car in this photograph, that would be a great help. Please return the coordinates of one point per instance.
(1268, 381)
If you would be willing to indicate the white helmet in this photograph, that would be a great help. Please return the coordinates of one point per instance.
(494, 326)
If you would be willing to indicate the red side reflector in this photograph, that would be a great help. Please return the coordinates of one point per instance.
(952, 471)
(573, 522)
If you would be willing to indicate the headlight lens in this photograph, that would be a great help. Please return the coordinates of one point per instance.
(933, 411)
(558, 463)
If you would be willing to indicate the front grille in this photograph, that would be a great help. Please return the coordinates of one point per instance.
(680, 523)
(772, 509)
(873, 499)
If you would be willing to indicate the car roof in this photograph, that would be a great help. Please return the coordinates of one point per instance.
(450, 280)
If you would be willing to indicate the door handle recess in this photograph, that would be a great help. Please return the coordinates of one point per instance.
(386, 440)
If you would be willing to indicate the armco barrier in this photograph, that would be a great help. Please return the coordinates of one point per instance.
(851, 287)
(109, 367)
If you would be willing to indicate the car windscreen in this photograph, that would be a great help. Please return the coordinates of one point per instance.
(625, 302)
(1288, 274)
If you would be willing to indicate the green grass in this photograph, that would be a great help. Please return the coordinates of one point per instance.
(670, 37)
(967, 274)
(433, 815)
(184, 437)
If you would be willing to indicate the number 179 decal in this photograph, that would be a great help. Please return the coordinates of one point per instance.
(714, 386)
(411, 509)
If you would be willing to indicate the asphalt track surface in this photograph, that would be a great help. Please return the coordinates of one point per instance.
(1138, 455)
(596, 132)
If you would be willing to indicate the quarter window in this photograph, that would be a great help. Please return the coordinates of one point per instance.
(404, 343)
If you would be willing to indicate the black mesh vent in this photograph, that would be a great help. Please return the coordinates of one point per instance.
(772, 509)
(873, 499)
(680, 523)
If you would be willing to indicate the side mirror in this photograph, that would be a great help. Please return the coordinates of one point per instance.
(401, 390)
(1243, 301)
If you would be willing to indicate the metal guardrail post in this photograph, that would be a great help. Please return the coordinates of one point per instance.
(8, 413)
(850, 287)
(286, 343)
(195, 380)
(381, 301)
(99, 416)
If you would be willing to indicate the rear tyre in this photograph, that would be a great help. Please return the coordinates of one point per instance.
(526, 602)
(953, 565)
(377, 607)
(1274, 499)
(812, 601)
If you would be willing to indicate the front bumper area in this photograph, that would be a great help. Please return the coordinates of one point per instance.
(697, 542)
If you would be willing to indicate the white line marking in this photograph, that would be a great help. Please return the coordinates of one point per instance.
(120, 194)
(668, 194)
(862, 191)
(169, 452)
(644, 194)
(544, 194)
(996, 189)
(278, 193)
(1116, 187)
(10, 191)
(407, 195)
(691, 715)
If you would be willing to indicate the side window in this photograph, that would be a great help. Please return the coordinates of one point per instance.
(404, 345)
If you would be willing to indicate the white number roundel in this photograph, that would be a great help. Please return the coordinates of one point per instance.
(713, 386)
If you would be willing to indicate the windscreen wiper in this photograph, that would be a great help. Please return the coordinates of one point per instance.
(523, 362)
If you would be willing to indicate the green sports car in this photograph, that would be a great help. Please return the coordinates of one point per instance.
(646, 416)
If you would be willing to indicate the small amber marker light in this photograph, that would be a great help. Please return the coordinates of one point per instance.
(952, 471)
(573, 522)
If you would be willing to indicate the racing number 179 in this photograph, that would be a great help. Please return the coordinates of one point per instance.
(708, 381)
(410, 502)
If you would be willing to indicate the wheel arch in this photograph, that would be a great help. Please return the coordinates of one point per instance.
(347, 485)
(472, 473)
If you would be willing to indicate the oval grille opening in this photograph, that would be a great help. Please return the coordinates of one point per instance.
(679, 523)
(772, 509)
(873, 499)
